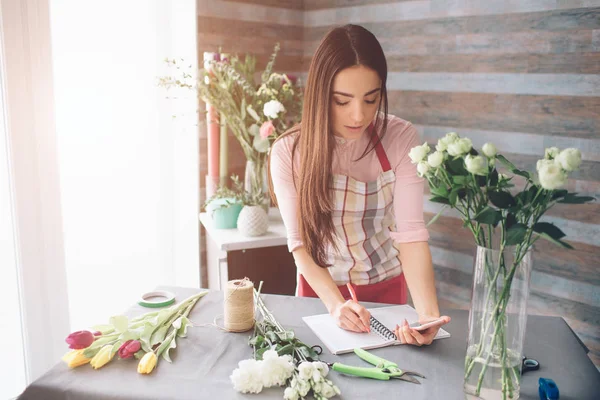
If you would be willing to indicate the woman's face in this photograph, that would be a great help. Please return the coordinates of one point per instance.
(354, 100)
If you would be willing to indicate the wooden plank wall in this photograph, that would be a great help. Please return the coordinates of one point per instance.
(524, 75)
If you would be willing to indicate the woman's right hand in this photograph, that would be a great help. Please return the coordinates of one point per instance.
(352, 317)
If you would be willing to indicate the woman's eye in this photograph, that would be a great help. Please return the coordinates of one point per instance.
(339, 103)
(371, 101)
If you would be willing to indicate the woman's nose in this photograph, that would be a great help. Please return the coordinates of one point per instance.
(357, 113)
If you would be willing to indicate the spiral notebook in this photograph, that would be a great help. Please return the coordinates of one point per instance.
(383, 322)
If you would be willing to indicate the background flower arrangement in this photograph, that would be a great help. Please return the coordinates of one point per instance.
(146, 338)
(505, 225)
(256, 113)
(281, 359)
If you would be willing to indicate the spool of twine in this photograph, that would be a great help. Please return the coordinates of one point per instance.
(239, 305)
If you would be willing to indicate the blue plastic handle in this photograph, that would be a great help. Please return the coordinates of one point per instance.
(548, 389)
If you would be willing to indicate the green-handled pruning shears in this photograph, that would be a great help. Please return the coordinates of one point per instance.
(384, 370)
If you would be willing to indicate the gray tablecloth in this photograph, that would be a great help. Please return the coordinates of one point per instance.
(205, 359)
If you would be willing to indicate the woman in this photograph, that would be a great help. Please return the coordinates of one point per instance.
(349, 196)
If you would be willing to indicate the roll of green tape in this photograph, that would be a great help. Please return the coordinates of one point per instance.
(162, 299)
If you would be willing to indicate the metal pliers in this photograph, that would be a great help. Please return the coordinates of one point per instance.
(384, 370)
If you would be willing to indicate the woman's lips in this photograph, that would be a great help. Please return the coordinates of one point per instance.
(353, 128)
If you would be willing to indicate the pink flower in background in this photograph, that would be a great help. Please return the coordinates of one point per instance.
(80, 340)
(97, 333)
(267, 129)
(129, 348)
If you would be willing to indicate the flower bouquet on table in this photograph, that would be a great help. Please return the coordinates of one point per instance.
(256, 113)
(281, 359)
(505, 224)
(145, 338)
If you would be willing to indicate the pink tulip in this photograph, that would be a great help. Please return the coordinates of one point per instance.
(80, 340)
(97, 333)
(267, 129)
(129, 348)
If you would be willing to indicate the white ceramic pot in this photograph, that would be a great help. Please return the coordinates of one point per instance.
(253, 221)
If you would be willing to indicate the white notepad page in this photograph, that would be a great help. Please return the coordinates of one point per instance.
(340, 341)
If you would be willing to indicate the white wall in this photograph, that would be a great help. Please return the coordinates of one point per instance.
(128, 174)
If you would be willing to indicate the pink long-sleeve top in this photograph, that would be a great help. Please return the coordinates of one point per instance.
(401, 136)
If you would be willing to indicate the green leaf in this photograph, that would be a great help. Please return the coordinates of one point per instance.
(510, 220)
(480, 180)
(182, 324)
(159, 335)
(573, 199)
(516, 234)
(105, 329)
(501, 199)
(522, 173)
(287, 349)
(494, 177)
(488, 215)
(560, 193)
(261, 145)
(138, 355)
(438, 199)
(115, 348)
(254, 130)
(504, 161)
(120, 322)
(453, 196)
(165, 352)
(132, 334)
(556, 241)
(441, 191)
(550, 229)
(459, 179)
(437, 215)
(456, 166)
(91, 351)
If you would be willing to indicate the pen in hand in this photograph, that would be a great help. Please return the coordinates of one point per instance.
(355, 299)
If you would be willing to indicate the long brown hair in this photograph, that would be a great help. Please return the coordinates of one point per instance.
(342, 47)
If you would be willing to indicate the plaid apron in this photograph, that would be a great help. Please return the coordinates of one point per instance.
(363, 218)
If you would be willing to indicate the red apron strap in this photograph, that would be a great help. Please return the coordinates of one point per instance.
(381, 155)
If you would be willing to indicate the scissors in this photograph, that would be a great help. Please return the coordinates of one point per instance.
(384, 370)
(529, 364)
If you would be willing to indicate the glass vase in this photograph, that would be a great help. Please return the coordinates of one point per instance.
(497, 320)
(256, 180)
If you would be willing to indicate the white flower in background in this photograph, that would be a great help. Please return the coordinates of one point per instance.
(569, 159)
(435, 159)
(443, 143)
(541, 163)
(247, 378)
(551, 153)
(476, 165)
(418, 153)
(305, 371)
(460, 147)
(327, 390)
(489, 150)
(551, 175)
(272, 108)
(290, 394)
(276, 370)
(302, 386)
(422, 168)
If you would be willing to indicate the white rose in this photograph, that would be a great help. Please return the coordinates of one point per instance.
(476, 165)
(247, 378)
(489, 150)
(551, 153)
(327, 391)
(543, 162)
(290, 394)
(451, 137)
(435, 159)
(418, 153)
(569, 159)
(422, 168)
(442, 144)
(460, 147)
(551, 175)
(272, 108)
(303, 387)
(322, 367)
(305, 370)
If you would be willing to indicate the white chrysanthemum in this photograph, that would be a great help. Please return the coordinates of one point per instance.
(301, 385)
(551, 175)
(489, 150)
(327, 390)
(476, 165)
(569, 159)
(247, 378)
(272, 108)
(322, 367)
(418, 153)
(435, 159)
(276, 370)
(305, 370)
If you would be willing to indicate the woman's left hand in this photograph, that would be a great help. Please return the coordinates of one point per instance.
(408, 335)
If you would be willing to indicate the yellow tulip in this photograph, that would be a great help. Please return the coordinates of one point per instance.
(102, 357)
(147, 363)
(75, 358)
